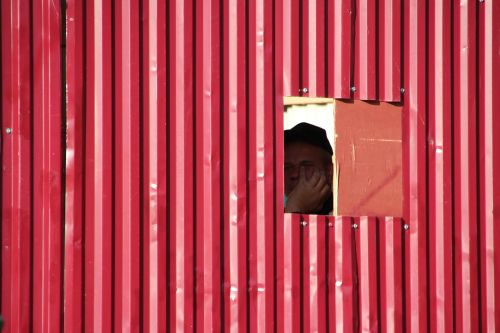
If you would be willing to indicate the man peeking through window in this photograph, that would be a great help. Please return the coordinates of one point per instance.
(308, 170)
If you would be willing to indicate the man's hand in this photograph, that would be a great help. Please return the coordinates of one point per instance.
(309, 195)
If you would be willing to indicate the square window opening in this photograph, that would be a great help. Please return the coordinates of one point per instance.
(342, 157)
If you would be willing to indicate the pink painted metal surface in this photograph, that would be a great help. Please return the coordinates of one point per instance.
(261, 200)
(391, 236)
(289, 271)
(313, 48)
(314, 273)
(414, 165)
(389, 50)
(340, 28)
(365, 59)
(489, 157)
(155, 168)
(465, 181)
(151, 199)
(74, 210)
(341, 274)
(98, 235)
(47, 169)
(127, 168)
(181, 120)
(282, 235)
(440, 179)
(291, 46)
(342, 284)
(208, 173)
(235, 192)
(366, 235)
(16, 164)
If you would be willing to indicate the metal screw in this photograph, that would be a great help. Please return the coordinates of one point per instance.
(353, 89)
(8, 130)
(303, 223)
(355, 226)
(305, 90)
(406, 226)
(402, 90)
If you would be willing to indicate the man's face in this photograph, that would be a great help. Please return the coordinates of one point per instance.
(301, 154)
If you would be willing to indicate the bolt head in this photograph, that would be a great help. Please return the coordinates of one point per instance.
(406, 226)
(353, 89)
(402, 90)
(305, 90)
(355, 226)
(8, 130)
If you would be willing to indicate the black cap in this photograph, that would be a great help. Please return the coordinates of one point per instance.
(313, 135)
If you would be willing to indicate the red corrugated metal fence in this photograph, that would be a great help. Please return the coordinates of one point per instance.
(142, 166)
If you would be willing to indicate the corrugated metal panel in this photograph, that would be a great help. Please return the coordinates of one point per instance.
(389, 50)
(337, 271)
(391, 274)
(98, 164)
(208, 174)
(465, 182)
(291, 47)
(166, 214)
(16, 135)
(367, 266)
(75, 205)
(340, 30)
(289, 276)
(489, 164)
(47, 171)
(415, 164)
(440, 161)
(314, 265)
(235, 161)
(155, 167)
(127, 168)
(181, 155)
(261, 194)
(365, 55)
(342, 297)
(313, 48)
